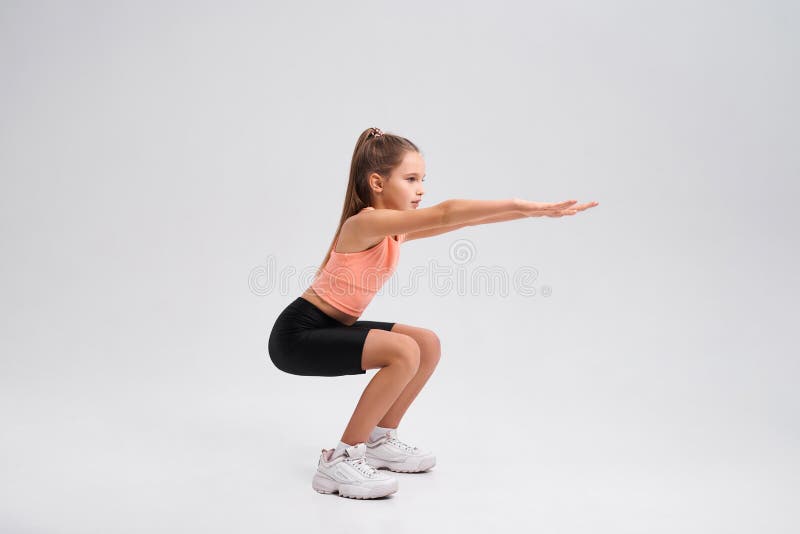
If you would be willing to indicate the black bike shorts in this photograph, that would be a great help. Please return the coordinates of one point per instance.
(306, 341)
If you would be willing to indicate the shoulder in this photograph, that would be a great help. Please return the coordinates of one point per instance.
(362, 210)
(356, 216)
(351, 238)
(373, 223)
(353, 221)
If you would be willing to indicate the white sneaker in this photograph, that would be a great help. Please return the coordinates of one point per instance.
(389, 452)
(351, 475)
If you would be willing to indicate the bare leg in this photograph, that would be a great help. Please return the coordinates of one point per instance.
(396, 412)
(430, 353)
(398, 357)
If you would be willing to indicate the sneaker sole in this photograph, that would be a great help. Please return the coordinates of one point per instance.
(323, 484)
(408, 466)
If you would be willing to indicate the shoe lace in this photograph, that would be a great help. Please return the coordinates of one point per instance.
(402, 445)
(362, 465)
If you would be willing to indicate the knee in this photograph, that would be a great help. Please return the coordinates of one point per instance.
(407, 353)
(430, 349)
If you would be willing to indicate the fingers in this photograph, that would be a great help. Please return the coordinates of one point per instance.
(556, 205)
(567, 207)
(559, 205)
(582, 207)
(560, 213)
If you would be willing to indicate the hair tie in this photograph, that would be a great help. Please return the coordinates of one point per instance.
(376, 132)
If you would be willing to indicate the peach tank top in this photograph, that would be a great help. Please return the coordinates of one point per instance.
(349, 280)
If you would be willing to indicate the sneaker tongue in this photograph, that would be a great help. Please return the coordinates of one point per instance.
(358, 450)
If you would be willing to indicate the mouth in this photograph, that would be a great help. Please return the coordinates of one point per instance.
(416, 202)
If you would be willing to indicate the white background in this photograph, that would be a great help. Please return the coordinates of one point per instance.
(155, 155)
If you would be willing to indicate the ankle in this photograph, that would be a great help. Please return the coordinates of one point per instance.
(379, 431)
(339, 450)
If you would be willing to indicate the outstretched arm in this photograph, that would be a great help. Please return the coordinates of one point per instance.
(452, 212)
(510, 216)
(522, 209)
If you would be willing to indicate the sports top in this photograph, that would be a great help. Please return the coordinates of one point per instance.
(349, 280)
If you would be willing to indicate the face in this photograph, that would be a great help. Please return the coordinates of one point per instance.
(403, 186)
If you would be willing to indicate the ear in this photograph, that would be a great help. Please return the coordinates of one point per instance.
(375, 182)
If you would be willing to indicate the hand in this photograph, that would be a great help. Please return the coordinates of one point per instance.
(556, 209)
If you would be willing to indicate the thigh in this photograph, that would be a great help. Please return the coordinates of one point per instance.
(305, 341)
(331, 351)
(340, 350)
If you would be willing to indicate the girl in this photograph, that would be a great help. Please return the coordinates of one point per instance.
(320, 334)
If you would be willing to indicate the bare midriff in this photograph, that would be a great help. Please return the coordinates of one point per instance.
(311, 296)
